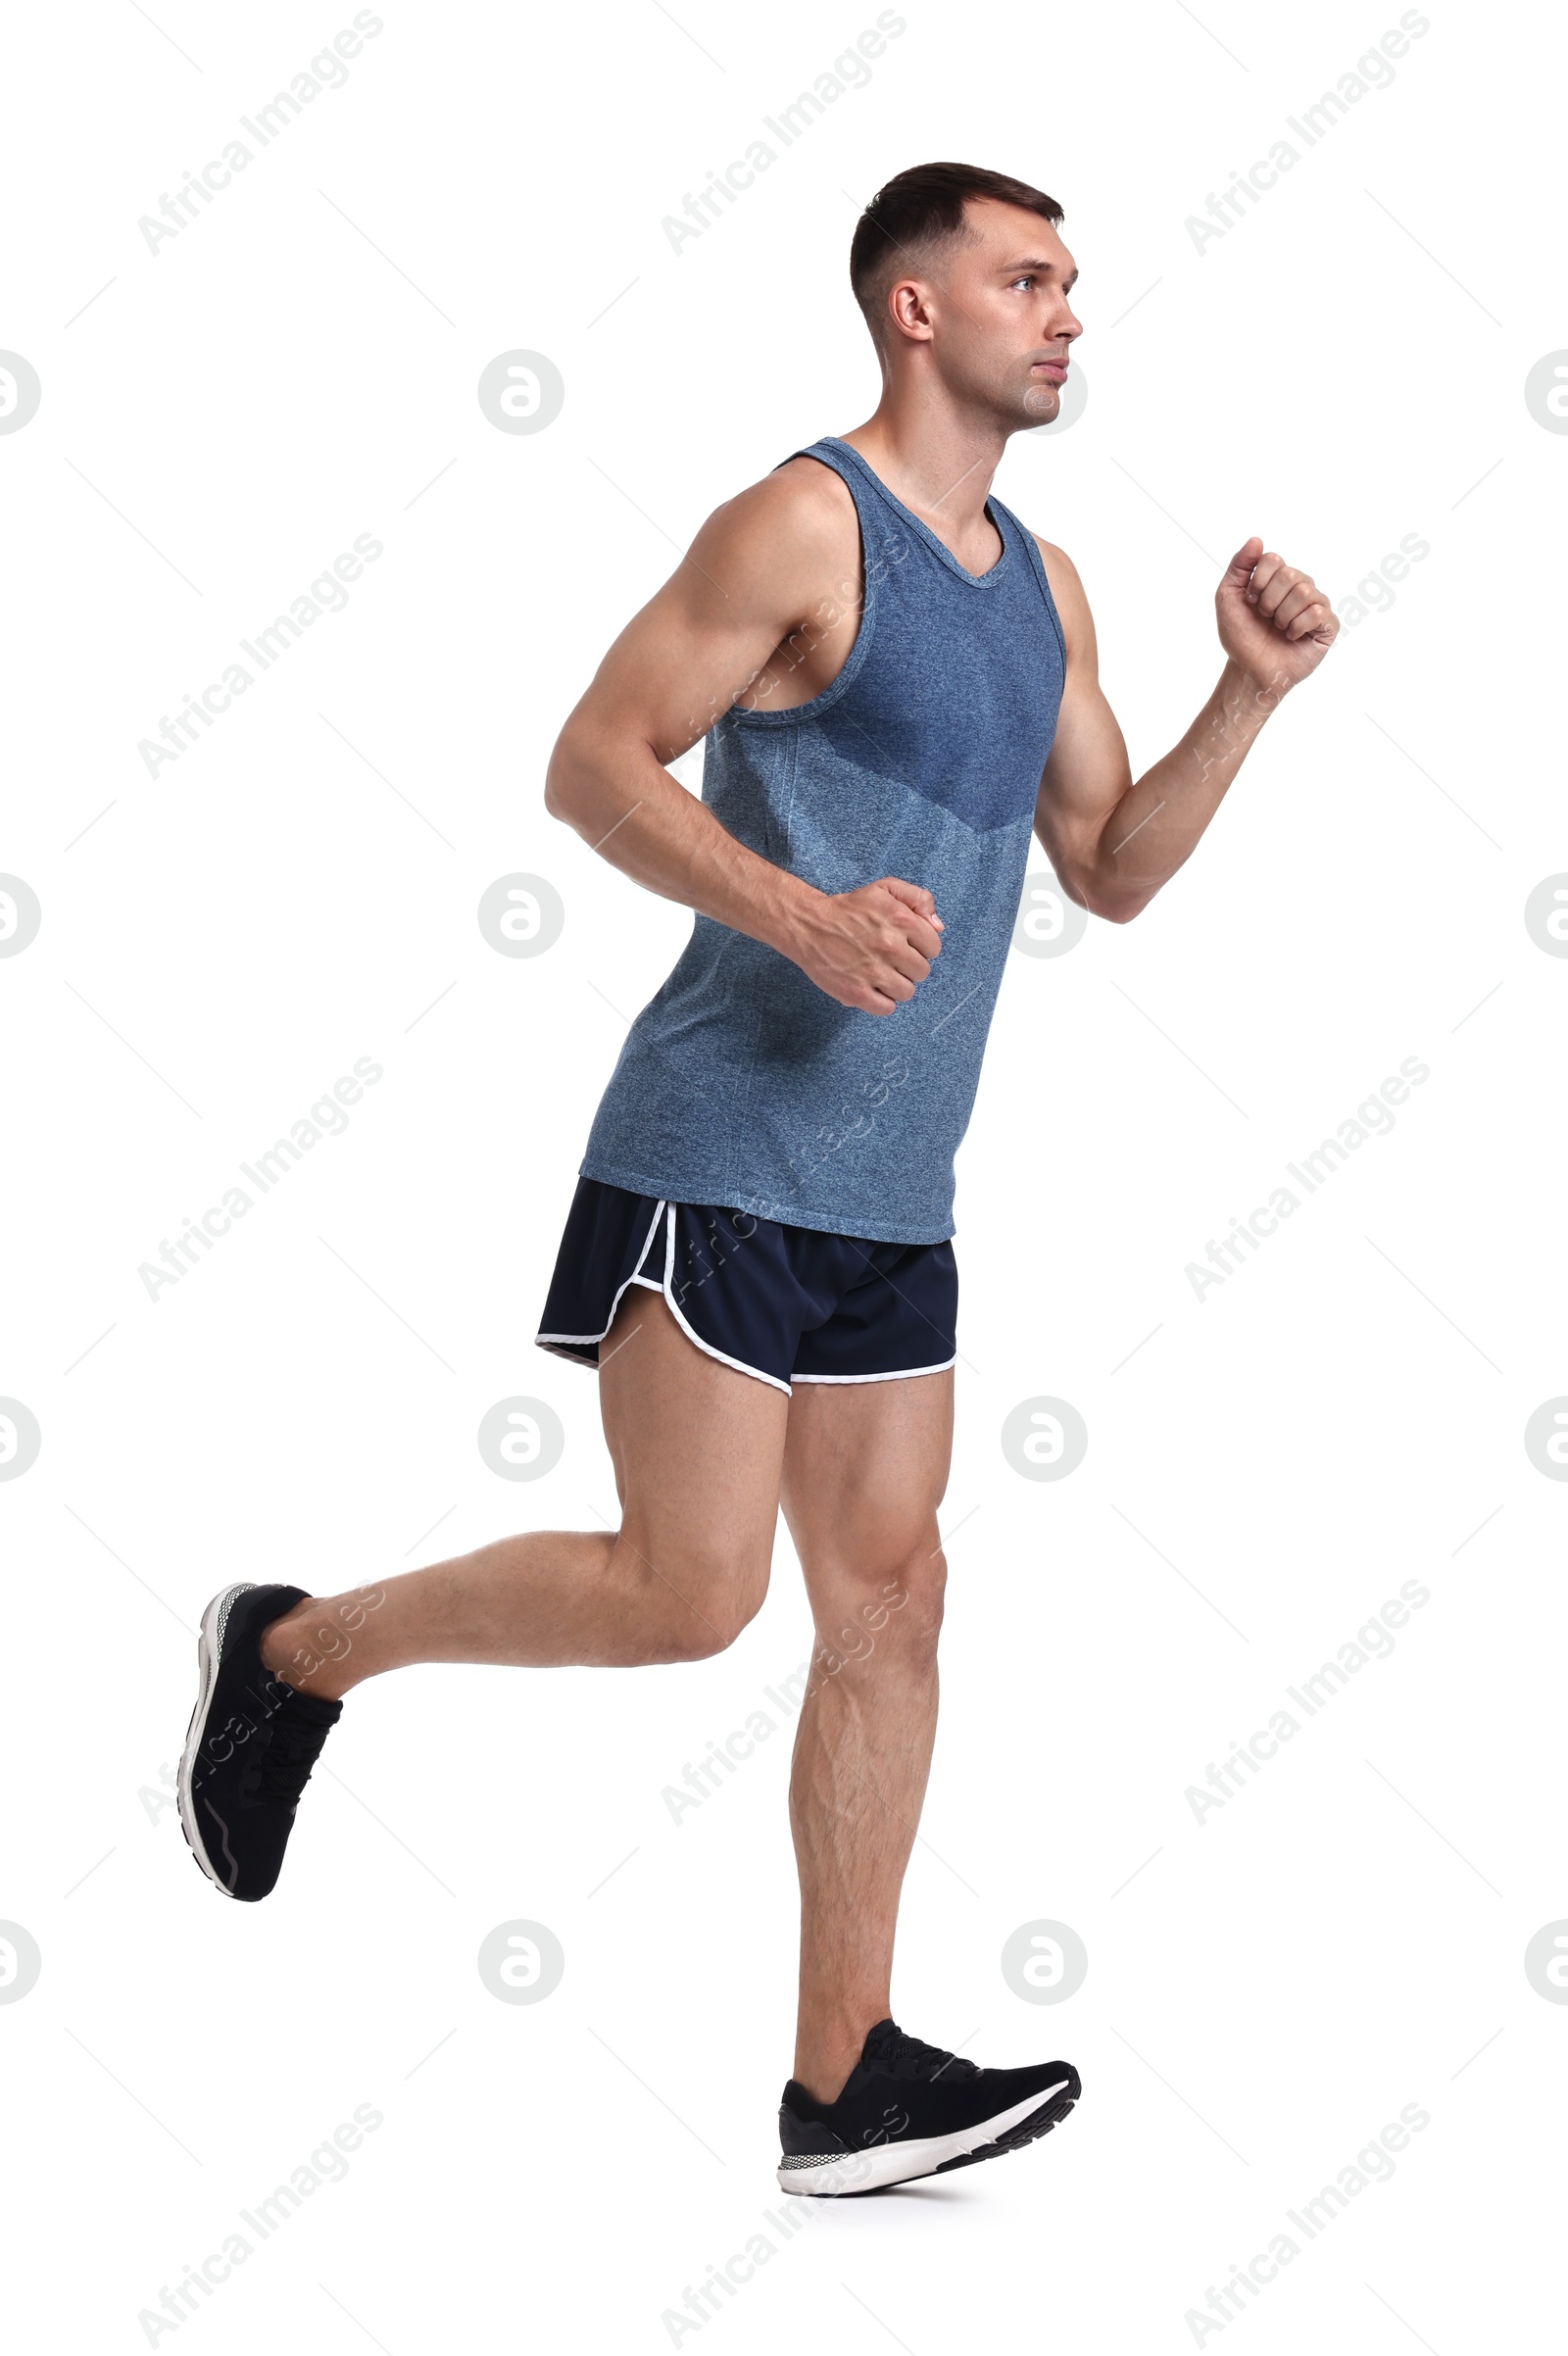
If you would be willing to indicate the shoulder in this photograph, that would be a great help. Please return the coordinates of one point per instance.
(1060, 572)
(783, 543)
(1071, 600)
(801, 507)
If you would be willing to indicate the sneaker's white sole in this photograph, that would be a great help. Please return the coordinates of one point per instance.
(882, 2164)
(209, 1645)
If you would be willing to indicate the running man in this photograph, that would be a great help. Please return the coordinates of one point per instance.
(897, 685)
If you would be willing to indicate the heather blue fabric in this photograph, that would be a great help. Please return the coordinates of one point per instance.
(742, 1085)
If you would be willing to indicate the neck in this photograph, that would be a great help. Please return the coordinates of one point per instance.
(936, 456)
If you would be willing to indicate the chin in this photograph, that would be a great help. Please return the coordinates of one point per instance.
(1040, 404)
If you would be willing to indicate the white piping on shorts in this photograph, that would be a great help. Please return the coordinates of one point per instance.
(667, 1210)
(548, 1340)
(739, 1364)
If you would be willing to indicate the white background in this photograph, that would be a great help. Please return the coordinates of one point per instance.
(1342, 369)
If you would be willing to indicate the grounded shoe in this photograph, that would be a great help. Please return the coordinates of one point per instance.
(252, 1743)
(908, 2109)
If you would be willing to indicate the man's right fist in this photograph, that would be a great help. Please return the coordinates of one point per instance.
(869, 948)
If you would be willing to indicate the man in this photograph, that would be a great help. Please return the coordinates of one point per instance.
(898, 684)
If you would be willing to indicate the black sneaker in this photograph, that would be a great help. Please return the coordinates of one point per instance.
(909, 2109)
(252, 1743)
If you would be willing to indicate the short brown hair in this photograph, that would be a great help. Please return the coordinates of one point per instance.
(920, 210)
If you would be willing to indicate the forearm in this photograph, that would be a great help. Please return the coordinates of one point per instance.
(1155, 825)
(627, 807)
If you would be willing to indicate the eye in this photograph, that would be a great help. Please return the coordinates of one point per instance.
(1027, 280)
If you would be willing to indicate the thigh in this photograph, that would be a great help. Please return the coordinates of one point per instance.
(698, 1448)
(865, 1467)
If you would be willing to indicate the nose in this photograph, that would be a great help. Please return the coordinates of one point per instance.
(1059, 323)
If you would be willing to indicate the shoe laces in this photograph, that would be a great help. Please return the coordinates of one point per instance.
(284, 1765)
(905, 2056)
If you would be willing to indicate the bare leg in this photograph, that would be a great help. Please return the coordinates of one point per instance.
(697, 1451)
(864, 1469)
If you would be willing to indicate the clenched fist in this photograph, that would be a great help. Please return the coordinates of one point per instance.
(869, 948)
(1274, 620)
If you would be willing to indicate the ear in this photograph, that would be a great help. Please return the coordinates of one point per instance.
(909, 309)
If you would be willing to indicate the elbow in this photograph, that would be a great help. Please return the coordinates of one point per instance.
(1112, 903)
(560, 781)
(1122, 910)
(581, 776)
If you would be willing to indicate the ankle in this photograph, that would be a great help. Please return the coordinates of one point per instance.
(291, 1650)
(823, 2072)
(825, 2057)
(310, 1645)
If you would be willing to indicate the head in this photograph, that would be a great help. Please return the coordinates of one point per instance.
(961, 272)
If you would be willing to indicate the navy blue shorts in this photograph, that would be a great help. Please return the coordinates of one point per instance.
(785, 1304)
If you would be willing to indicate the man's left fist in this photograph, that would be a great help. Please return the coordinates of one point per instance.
(1274, 619)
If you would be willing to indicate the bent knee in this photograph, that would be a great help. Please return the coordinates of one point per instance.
(703, 1600)
(709, 1621)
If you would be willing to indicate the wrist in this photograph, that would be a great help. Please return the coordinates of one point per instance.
(1249, 695)
(789, 917)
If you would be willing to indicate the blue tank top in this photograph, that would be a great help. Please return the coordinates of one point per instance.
(743, 1084)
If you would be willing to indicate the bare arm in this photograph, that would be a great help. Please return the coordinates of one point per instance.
(743, 606)
(1113, 841)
